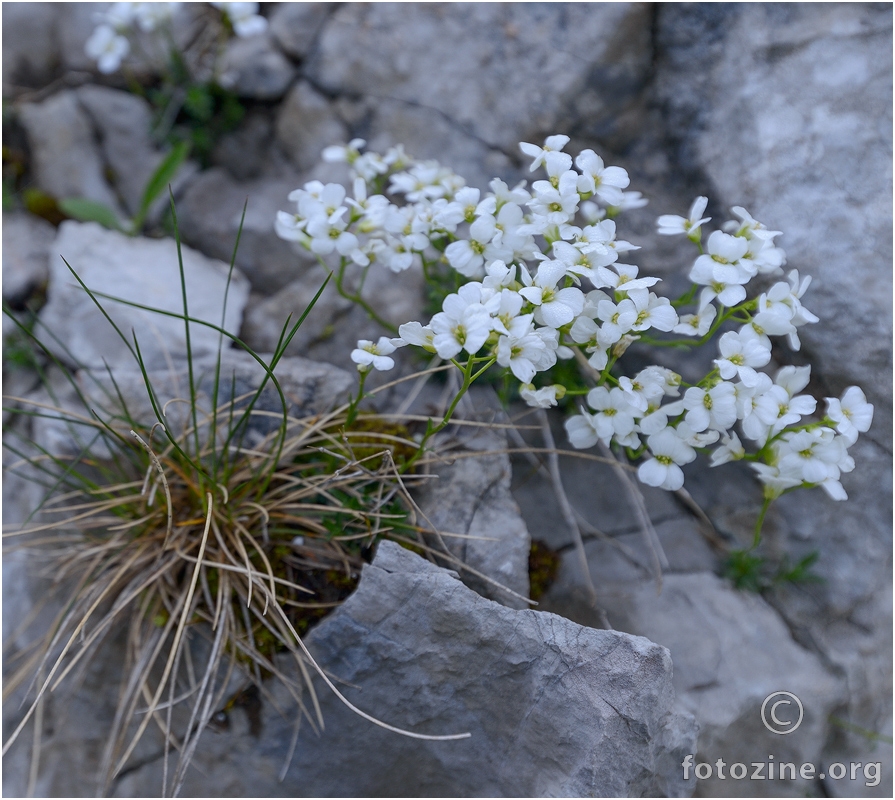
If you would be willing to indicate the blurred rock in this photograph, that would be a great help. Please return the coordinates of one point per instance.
(253, 67)
(209, 215)
(266, 316)
(250, 151)
(75, 23)
(486, 66)
(66, 159)
(124, 122)
(296, 26)
(306, 124)
(30, 54)
(139, 270)
(26, 255)
(428, 135)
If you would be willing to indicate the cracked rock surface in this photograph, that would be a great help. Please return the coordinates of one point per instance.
(782, 108)
(589, 712)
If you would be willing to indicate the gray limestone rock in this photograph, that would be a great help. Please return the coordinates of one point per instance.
(123, 122)
(730, 651)
(209, 216)
(332, 329)
(26, 255)
(502, 73)
(140, 270)
(30, 55)
(296, 26)
(470, 504)
(254, 67)
(66, 159)
(786, 110)
(306, 124)
(553, 709)
(787, 89)
(427, 134)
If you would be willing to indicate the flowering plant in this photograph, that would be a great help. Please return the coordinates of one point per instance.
(537, 278)
(194, 102)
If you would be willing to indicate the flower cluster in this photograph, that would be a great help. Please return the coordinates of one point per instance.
(110, 42)
(539, 277)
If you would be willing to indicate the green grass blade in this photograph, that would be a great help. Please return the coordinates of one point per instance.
(186, 325)
(217, 367)
(159, 180)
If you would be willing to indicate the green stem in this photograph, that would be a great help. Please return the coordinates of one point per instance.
(355, 401)
(468, 378)
(355, 297)
(760, 521)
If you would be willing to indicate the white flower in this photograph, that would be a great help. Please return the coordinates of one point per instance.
(417, 334)
(697, 324)
(244, 17)
(622, 278)
(817, 454)
(775, 480)
(731, 449)
(329, 233)
(644, 389)
(652, 311)
(851, 413)
(464, 324)
(605, 182)
(614, 417)
(581, 431)
(715, 408)
(539, 154)
(375, 354)
(555, 307)
(554, 205)
(739, 356)
(721, 270)
(670, 224)
(631, 200)
(151, 15)
(468, 256)
(746, 400)
(108, 48)
(777, 409)
(669, 451)
(545, 397)
(656, 417)
(749, 227)
(523, 351)
(347, 153)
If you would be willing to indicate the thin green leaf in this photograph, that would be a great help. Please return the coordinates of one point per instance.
(160, 179)
(80, 208)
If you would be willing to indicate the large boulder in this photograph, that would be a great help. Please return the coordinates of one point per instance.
(553, 709)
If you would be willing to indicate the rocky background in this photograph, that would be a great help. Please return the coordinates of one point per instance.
(783, 108)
